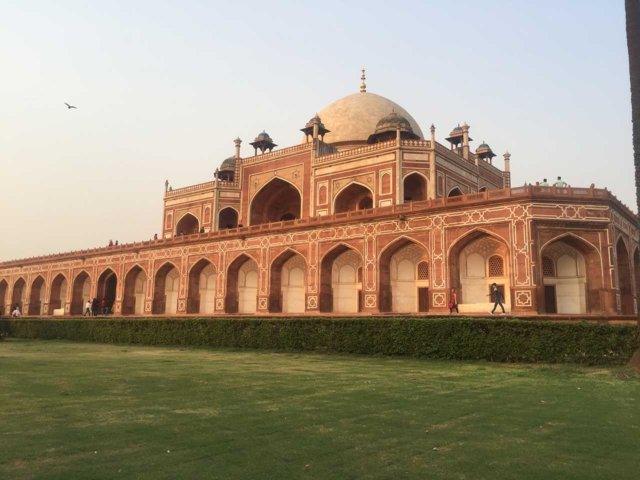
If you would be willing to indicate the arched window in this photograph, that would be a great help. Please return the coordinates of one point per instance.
(423, 271)
(496, 266)
(415, 188)
(227, 218)
(455, 192)
(548, 267)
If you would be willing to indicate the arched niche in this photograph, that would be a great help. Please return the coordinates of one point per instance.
(415, 188)
(571, 277)
(242, 285)
(277, 201)
(187, 225)
(476, 261)
(3, 296)
(135, 290)
(227, 218)
(288, 283)
(37, 296)
(80, 293)
(353, 197)
(625, 284)
(341, 281)
(202, 288)
(18, 296)
(403, 277)
(107, 285)
(454, 192)
(58, 294)
(165, 290)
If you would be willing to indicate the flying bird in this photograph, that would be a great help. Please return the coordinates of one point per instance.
(69, 106)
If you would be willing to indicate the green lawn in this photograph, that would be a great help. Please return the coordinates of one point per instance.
(76, 411)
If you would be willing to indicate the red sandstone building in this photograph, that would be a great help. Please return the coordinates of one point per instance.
(365, 215)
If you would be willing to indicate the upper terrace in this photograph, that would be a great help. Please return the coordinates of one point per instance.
(524, 193)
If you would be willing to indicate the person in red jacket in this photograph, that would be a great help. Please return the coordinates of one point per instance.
(453, 301)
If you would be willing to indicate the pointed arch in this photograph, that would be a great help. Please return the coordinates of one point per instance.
(135, 290)
(228, 218)
(277, 200)
(242, 285)
(165, 289)
(341, 280)
(469, 259)
(400, 288)
(415, 187)
(37, 296)
(4, 286)
(18, 295)
(578, 280)
(202, 287)
(58, 293)
(287, 280)
(188, 225)
(107, 286)
(455, 192)
(353, 196)
(623, 270)
(81, 291)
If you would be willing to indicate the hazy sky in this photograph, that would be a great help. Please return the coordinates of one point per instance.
(163, 88)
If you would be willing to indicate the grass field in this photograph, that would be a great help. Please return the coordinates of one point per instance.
(80, 411)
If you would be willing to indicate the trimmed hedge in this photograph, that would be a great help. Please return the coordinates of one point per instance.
(438, 338)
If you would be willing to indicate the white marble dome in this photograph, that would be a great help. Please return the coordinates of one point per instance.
(354, 117)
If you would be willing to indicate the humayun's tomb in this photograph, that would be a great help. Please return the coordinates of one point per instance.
(365, 215)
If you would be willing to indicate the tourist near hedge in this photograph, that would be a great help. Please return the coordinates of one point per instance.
(438, 338)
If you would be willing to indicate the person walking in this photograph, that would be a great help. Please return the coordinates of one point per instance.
(94, 307)
(496, 296)
(453, 301)
(87, 308)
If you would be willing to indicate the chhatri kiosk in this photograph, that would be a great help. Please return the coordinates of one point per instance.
(367, 214)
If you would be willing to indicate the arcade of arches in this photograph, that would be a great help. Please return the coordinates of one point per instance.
(569, 273)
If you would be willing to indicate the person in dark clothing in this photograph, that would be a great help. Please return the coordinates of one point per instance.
(94, 306)
(103, 306)
(496, 296)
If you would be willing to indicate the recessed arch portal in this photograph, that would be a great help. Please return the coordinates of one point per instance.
(37, 296)
(80, 293)
(135, 290)
(476, 261)
(353, 197)
(404, 277)
(571, 276)
(287, 283)
(415, 188)
(3, 295)
(624, 278)
(242, 285)
(187, 225)
(278, 200)
(58, 295)
(227, 218)
(341, 281)
(19, 291)
(202, 288)
(165, 291)
(107, 284)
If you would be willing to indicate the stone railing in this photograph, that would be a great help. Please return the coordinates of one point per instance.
(355, 151)
(191, 188)
(424, 206)
(277, 153)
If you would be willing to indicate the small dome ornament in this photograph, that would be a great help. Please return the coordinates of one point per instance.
(388, 126)
(484, 152)
(262, 142)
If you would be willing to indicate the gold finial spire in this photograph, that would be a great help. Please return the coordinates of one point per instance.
(363, 85)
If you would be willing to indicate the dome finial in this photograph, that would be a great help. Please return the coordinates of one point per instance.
(363, 85)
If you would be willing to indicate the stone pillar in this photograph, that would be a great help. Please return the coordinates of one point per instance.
(432, 190)
(465, 141)
(369, 292)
